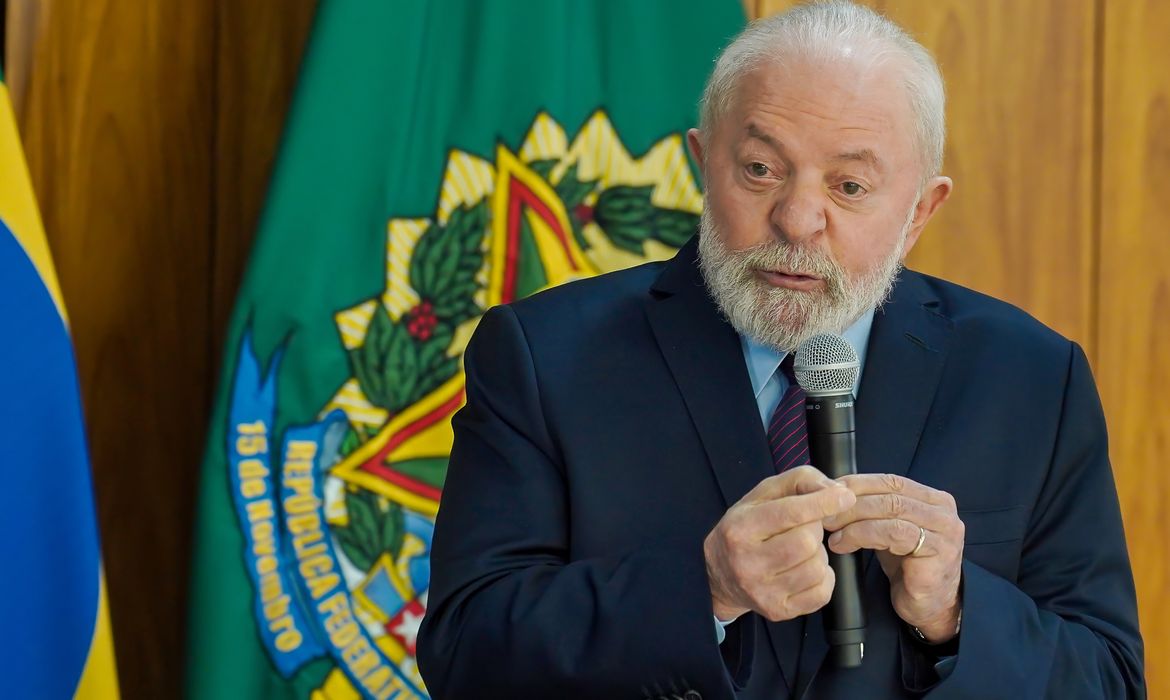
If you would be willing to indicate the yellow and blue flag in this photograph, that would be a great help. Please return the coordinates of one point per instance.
(56, 640)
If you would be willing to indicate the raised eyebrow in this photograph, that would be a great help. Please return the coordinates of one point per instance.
(864, 155)
(756, 132)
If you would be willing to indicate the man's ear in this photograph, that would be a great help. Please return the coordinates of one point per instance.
(695, 144)
(934, 193)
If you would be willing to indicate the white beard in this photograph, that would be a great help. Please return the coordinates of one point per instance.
(781, 318)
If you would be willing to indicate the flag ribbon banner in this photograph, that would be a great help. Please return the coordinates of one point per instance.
(304, 616)
(279, 616)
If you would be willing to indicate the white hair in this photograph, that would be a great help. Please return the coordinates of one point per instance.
(819, 31)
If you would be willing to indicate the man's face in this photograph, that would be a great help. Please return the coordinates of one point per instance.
(812, 197)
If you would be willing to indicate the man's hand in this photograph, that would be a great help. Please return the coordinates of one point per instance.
(890, 509)
(766, 554)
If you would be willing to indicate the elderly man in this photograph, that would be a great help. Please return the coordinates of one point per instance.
(628, 513)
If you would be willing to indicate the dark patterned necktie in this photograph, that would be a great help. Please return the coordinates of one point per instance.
(787, 433)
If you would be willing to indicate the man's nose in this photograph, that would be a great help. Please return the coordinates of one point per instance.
(799, 212)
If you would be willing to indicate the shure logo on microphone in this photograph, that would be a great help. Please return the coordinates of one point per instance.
(843, 404)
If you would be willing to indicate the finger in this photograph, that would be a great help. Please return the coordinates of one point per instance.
(898, 537)
(868, 484)
(775, 517)
(803, 575)
(793, 549)
(792, 482)
(751, 565)
(889, 506)
(803, 602)
(795, 481)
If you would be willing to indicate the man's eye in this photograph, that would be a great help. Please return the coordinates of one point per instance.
(852, 189)
(758, 169)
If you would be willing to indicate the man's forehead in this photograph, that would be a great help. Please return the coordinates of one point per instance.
(846, 93)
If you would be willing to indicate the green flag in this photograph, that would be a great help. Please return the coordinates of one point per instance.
(440, 157)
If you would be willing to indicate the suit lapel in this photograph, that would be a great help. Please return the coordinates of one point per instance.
(907, 350)
(705, 357)
(903, 364)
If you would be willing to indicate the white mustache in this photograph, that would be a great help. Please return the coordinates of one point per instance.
(781, 256)
(783, 318)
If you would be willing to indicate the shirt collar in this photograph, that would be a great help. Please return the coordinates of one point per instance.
(762, 361)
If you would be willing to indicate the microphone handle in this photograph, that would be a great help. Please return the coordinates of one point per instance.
(832, 449)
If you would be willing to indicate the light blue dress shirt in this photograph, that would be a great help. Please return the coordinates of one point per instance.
(769, 384)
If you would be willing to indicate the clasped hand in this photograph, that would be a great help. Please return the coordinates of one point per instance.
(766, 553)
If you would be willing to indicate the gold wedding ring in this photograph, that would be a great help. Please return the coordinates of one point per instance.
(921, 539)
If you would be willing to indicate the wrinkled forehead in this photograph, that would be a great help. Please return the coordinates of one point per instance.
(858, 98)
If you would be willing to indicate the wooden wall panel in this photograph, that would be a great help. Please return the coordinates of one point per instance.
(259, 55)
(150, 130)
(113, 103)
(1019, 79)
(1133, 367)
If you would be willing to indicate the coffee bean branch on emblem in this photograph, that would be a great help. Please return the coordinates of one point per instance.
(400, 362)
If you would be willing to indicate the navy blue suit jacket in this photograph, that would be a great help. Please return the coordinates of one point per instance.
(610, 423)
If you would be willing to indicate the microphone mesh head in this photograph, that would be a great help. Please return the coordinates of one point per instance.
(826, 364)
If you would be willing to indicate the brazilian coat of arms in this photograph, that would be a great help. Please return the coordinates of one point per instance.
(337, 515)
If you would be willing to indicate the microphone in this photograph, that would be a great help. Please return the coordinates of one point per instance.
(826, 367)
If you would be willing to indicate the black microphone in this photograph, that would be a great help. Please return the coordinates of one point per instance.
(826, 367)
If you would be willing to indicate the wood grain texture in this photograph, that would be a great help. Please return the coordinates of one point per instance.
(150, 129)
(258, 59)
(113, 105)
(1133, 368)
(1019, 77)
